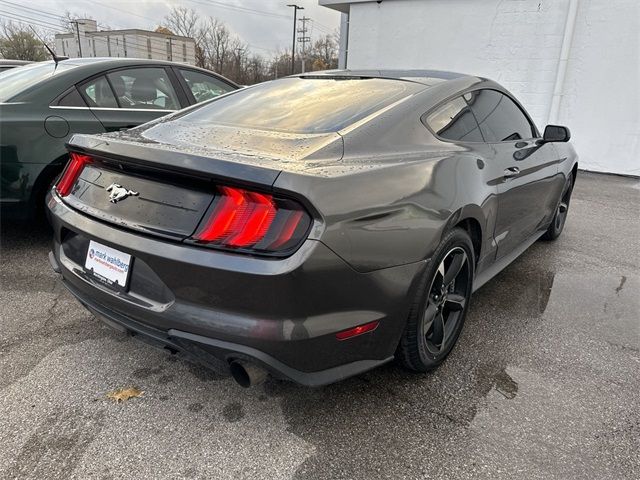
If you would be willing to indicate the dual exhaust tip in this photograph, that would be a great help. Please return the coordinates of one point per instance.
(247, 374)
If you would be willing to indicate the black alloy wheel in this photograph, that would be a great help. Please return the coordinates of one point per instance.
(438, 314)
(446, 300)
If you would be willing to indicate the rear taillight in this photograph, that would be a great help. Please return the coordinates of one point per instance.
(74, 168)
(247, 220)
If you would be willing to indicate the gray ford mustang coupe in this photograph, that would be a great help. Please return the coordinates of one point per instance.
(312, 227)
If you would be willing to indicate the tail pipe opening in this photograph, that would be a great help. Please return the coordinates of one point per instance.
(247, 374)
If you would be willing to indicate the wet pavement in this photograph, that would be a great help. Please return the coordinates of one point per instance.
(544, 382)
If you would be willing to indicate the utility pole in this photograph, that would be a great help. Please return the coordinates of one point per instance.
(239, 65)
(75, 22)
(304, 39)
(293, 46)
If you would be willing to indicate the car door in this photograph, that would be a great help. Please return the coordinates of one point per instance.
(128, 97)
(201, 86)
(526, 173)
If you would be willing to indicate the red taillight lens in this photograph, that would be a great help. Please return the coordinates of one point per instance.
(74, 168)
(359, 330)
(242, 219)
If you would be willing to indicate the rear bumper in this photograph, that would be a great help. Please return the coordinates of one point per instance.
(280, 313)
(197, 345)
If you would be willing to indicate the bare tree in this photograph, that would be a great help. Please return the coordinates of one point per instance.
(216, 44)
(19, 43)
(183, 21)
(219, 49)
(324, 53)
(280, 64)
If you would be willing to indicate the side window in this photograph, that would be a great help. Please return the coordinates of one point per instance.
(144, 88)
(454, 121)
(204, 86)
(500, 119)
(97, 93)
(72, 99)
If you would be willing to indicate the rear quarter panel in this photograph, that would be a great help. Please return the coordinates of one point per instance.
(376, 216)
(568, 158)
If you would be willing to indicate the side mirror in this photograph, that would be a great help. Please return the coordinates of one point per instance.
(556, 133)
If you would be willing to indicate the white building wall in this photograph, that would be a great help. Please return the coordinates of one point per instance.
(131, 45)
(518, 43)
(601, 101)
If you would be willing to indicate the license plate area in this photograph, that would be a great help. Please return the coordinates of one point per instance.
(108, 266)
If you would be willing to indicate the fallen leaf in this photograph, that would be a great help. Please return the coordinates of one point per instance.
(123, 394)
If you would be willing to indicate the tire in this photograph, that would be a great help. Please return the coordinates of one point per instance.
(560, 216)
(429, 336)
(45, 186)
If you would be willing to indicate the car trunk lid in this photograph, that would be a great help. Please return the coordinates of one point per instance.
(165, 188)
(136, 198)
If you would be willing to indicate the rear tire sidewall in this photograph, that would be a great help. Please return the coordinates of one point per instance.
(554, 231)
(423, 359)
(45, 185)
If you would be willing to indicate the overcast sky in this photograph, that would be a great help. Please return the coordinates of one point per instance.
(265, 32)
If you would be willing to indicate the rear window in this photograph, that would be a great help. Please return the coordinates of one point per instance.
(18, 80)
(304, 105)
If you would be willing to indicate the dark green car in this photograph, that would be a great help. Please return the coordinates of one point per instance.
(42, 105)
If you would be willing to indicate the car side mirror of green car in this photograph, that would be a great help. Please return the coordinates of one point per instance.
(555, 133)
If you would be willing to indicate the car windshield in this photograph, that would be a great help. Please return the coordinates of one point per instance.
(19, 79)
(304, 105)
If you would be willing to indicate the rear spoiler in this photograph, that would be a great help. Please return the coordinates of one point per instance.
(220, 166)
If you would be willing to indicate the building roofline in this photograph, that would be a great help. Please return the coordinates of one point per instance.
(105, 33)
(342, 5)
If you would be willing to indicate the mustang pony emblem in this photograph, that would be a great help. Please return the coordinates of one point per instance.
(118, 192)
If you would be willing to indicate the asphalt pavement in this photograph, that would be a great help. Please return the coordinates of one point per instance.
(544, 382)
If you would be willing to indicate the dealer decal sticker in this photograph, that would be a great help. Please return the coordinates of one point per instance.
(108, 263)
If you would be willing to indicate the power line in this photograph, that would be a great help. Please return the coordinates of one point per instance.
(153, 21)
(50, 14)
(322, 26)
(25, 21)
(239, 8)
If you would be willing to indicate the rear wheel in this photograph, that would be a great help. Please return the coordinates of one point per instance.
(49, 178)
(560, 217)
(437, 314)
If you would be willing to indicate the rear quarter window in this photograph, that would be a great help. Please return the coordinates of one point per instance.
(98, 93)
(72, 99)
(454, 121)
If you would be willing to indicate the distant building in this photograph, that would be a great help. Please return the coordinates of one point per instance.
(131, 43)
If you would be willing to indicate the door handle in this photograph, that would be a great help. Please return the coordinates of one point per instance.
(511, 172)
